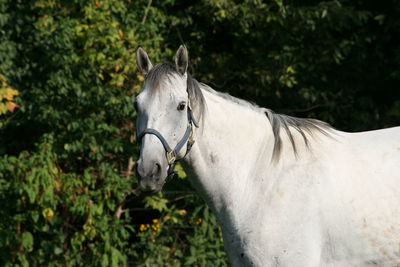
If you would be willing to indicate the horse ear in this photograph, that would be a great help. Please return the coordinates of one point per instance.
(143, 61)
(182, 59)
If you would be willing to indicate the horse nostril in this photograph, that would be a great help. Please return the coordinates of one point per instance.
(157, 169)
(148, 170)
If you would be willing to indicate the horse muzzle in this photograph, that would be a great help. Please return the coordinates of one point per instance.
(151, 176)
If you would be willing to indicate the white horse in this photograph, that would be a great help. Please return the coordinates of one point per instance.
(286, 191)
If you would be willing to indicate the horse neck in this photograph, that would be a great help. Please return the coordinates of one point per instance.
(232, 147)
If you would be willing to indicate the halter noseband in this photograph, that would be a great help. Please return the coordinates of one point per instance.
(187, 138)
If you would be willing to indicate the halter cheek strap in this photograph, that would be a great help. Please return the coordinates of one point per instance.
(187, 139)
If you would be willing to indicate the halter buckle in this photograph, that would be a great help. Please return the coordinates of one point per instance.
(171, 157)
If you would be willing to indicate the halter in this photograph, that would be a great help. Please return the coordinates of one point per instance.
(187, 138)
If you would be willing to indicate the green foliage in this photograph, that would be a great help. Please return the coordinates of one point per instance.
(65, 166)
(333, 60)
(67, 153)
(53, 217)
(181, 238)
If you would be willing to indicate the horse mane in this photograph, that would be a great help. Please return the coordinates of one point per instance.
(281, 121)
(301, 125)
(278, 121)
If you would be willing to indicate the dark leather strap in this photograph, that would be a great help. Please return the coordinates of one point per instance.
(158, 134)
(186, 139)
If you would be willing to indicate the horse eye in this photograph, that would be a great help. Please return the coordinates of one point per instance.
(181, 106)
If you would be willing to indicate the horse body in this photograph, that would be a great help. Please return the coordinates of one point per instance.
(324, 198)
(332, 204)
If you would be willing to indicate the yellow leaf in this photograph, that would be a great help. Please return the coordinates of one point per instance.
(48, 214)
(3, 108)
(57, 185)
(10, 93)
(290, 69)
(182, 212)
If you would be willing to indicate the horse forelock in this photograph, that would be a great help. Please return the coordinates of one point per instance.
(159, 73)
(163, 71)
